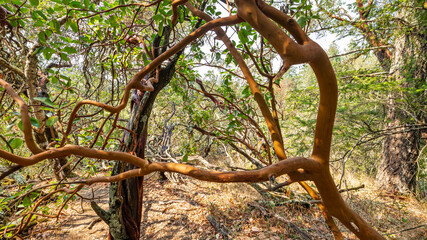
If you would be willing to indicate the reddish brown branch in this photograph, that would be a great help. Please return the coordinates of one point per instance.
(136, 83)
(175, 5)
(277, 169)
(259, 98)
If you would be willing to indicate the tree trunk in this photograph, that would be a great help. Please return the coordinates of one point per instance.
(398, 166)
(125, 207)
(37, 88)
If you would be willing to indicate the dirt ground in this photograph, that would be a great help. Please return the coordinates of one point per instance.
(180, 210)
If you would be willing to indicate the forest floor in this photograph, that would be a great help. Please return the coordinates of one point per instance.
(185, 208)
(181, 210)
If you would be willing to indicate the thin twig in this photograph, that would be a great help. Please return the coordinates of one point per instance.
(407, 229)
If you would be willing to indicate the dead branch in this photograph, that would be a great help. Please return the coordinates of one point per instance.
(11, 170)
(352, 189)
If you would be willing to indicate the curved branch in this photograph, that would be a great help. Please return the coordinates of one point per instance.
(259, 98)
(285, 21)
(135, 82)
(14, 69)
(25, 117)
(74, 150)
(291, 165)
(291, 52)
(175, 5)
(263, 174)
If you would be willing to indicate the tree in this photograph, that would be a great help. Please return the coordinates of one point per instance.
(124, 215)
(399, 161)
(258, 17)
(25, 68)
(404, 118)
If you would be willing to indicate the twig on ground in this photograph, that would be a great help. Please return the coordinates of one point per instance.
(407, 229)
(218, 227)
(302, 233)
(352, 189)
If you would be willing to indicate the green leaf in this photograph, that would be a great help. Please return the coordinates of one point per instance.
(76, 4)
(34, 3)
(231, 125)
(69, 50)
(45, 100)
(246, 92)
(34, 194)
(35, 122)
(41, 14)
(157, 18)
(145, 59)
(160, 29)
(42, 37)
(47, 52)
(54, 80)
(34, 16)
(55, 26)
(39, 23)
(21, 125)
(48, 33)
(243, 36)
(113, 21)
(15, 143)
(302, 21)
(185, 158)
(64, 57)
(66, 78)
(66, 39)
(50, 121)
(26, 201)
(73, 26)
(14, 23)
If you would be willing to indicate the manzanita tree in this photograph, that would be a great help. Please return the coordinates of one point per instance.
(256, 15)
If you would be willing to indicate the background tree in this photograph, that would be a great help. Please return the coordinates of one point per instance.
(383, 25)
(22, 62)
